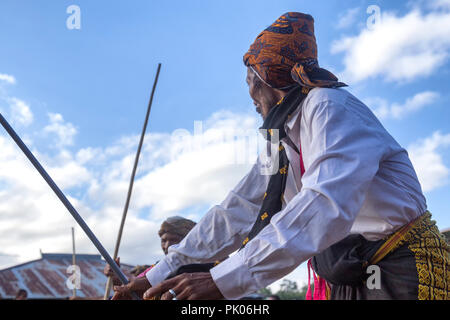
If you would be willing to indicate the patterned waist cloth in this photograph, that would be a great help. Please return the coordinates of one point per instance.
(414, 264)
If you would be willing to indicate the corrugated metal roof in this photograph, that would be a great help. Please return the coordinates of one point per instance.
(46, 278)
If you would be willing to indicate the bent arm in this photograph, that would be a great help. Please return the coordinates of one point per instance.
(221, 231)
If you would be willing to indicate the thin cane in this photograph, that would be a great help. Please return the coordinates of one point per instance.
(66, 202)
(130, 187)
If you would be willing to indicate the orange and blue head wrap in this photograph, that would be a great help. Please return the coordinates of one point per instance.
(285, 54)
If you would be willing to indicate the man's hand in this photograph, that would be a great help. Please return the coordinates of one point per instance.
(108, 271)
(187, 286)
(138, 285)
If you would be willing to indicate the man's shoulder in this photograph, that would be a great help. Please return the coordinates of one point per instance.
(319, 95)
(335, 101)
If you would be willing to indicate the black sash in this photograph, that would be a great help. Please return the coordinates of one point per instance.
(345, 262)
(276, 120)
(272, 202)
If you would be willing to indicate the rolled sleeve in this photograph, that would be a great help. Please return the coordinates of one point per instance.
(221, 231)
(233, 278)
(158, 273)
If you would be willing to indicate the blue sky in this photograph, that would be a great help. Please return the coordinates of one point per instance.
(79, 98)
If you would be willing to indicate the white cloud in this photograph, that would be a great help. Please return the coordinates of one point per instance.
(7, 78)
(428, 162)
(71, 174)
(86, 155)
(384, 110)
(172, 179)
(399, 48)
(348, 18)
(209, 163)
(65, 132)
(20, 112)
(439, 4)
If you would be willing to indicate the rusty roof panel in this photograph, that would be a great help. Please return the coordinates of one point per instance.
(46, 278)
(54, 279)
(8, 281)
(90, 291)
(86, 270)
(33, 283)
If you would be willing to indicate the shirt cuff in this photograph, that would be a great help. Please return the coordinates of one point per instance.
(142, 274)
(233, 278)
(158, 273)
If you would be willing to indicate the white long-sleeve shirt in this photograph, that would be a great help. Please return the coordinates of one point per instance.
(357, 180)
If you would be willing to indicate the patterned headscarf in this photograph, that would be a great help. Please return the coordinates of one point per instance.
(286, 53)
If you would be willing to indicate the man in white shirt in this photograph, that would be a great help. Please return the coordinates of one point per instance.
(345, 194)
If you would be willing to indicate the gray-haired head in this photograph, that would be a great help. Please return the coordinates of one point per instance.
(176, 225)
(173, 230)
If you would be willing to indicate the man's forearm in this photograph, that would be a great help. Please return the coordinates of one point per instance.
(220, 231)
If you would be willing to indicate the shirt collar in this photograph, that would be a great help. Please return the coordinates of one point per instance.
(294, 117)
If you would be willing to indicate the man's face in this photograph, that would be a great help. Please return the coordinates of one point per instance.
(264, 97)
(168, 239)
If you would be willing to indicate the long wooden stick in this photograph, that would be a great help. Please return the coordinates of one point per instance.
(66, 202)
(74, 262)
(130, 187)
